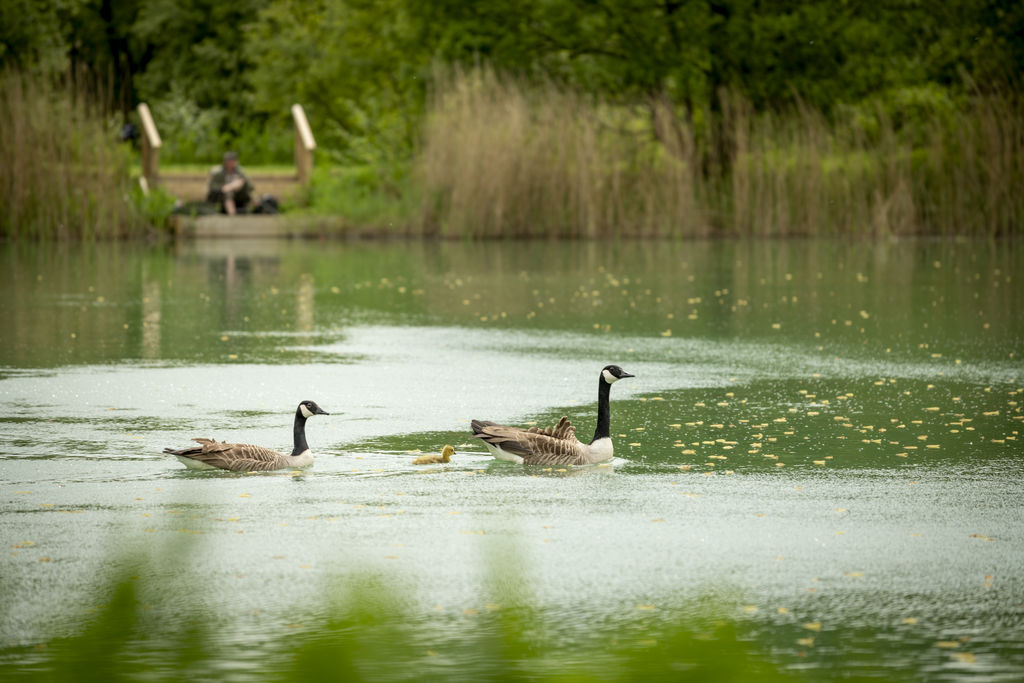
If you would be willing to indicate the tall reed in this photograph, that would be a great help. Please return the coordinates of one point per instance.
(502, 158)
(63, 173)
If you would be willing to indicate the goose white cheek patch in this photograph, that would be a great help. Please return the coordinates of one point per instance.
(609, 377)
(305, 411)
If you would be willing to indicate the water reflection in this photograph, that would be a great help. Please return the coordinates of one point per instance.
(151, 314)
(919, 298)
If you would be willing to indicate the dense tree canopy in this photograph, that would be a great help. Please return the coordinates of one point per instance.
(363, 68)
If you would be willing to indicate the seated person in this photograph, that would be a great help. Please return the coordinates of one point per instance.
(229, 187)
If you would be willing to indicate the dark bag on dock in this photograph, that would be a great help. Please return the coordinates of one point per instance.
(267, 205)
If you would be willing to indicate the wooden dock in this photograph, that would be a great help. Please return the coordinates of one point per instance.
(287, 226)
(192, 187)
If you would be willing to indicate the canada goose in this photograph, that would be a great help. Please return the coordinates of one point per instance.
(433, 458)
(240, 457)
(556, 445)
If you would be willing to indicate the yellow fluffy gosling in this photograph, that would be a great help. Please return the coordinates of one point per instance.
(433, 458)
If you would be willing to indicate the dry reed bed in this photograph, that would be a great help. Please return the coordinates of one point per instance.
(504, 159)
(63, 173)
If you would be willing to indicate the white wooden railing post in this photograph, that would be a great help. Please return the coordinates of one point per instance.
(304, 145)
(151, 144)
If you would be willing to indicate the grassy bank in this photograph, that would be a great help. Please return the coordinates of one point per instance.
(64, 174)
(500, 158)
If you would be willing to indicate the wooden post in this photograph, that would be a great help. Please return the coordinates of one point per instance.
(304, 145)
(151, 144)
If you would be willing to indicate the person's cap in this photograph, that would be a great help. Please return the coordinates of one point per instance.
(230, 156)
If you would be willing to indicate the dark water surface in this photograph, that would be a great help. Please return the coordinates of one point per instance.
(823, 436)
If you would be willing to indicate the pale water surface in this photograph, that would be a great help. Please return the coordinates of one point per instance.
(823, 437)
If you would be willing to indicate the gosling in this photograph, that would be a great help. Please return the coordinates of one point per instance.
(433, 458)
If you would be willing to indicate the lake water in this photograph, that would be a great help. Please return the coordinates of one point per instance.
(822, 438)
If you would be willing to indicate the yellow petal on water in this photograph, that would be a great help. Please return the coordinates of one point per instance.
(818, 462)
(224, 337)
(948, 644)
(909, 621)
(813, 626)
(964, 657)
(749, 609)
(659, 519)
(684, 467)
(806, 642)
(782, 610)
(635, 443)
(244, 495)
(645, 608)
(676, 425)
(855, 575)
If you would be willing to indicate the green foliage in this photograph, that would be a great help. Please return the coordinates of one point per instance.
(364, 196)
(153, 207)
(356, 67)
(368, 634)
(30, 35)
(195, 135)
(197, 46)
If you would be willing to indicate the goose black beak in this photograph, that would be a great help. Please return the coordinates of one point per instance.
(625, 375)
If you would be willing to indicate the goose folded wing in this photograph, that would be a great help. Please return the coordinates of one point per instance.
(509, 439)
(238, 457)
(563, 430)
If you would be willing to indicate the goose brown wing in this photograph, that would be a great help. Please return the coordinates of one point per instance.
(555, 445)
(508, 439)
(562, 430)
(237, 457)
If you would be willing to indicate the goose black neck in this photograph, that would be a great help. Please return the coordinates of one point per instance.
(603, 410)
(299, 432)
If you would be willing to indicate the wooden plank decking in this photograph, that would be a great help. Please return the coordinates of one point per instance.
(191, 187)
